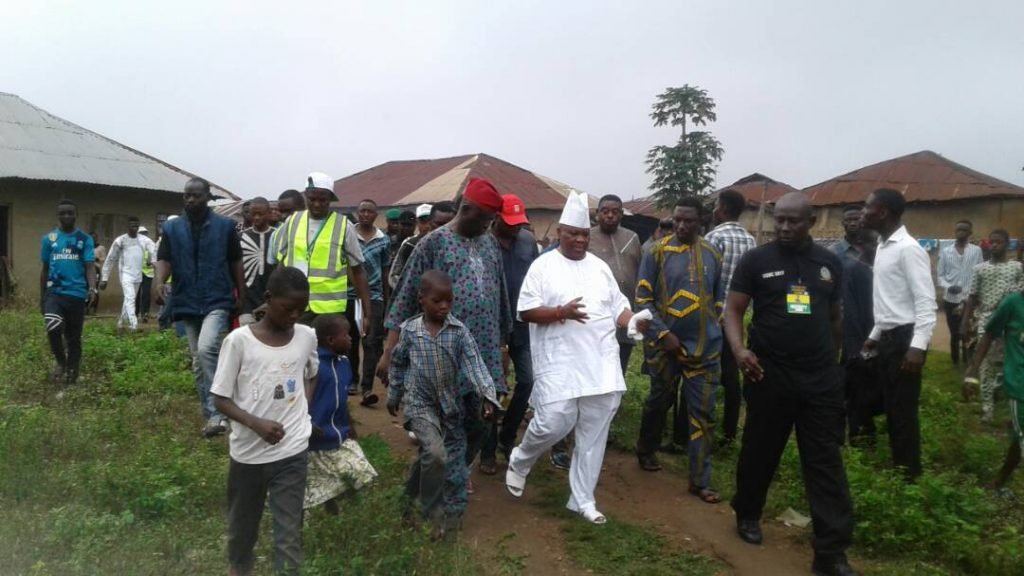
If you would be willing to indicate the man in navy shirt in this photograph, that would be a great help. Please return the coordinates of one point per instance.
(66, 283)
(518, 250)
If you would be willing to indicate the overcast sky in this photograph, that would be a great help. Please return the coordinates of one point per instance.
(254, 95)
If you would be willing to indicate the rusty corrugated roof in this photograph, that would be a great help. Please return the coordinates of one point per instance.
(411, 182)
(922, 177)
(36, 145)
(757, 187)
(646, 206)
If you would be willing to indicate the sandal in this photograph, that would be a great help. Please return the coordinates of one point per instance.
(591, 515)
(488, 467)
(514, 482)
(707, 495)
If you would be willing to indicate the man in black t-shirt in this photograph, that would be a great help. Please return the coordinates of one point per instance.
(255, 241)
(793, 379)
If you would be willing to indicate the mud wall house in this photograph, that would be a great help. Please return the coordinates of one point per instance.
(405, 184)
(939, 192)
(44, 159)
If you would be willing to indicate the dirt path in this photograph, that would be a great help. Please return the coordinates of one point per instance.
(502, 529)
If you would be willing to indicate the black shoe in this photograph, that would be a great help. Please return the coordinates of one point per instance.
(833, 568)
(353, 390)
(561, 460)
(369, 399)
(649, 462)
(749, 531)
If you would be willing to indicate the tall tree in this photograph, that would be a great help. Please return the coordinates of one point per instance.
(689, 167)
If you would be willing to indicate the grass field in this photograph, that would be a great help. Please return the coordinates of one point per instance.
(114, 479)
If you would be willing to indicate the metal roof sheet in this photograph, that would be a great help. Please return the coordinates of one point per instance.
(410, 182)
(37, 145)
(922, 177)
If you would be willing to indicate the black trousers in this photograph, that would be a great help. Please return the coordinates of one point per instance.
(901, 393)
(953, 318)
(142, 302)
(863, 397)
(731, 387)
(373, 343)
(625, 351)
(64, 317)
(248, 488)
(810, 401)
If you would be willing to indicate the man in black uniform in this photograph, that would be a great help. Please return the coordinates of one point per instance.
(792, 379)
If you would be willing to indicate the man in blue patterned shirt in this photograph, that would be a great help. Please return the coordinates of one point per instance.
(376, 247)
(680, 283)
(434, 351)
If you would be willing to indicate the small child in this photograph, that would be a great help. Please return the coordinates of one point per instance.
(1006, 322)
(434, 350)
(336, 462)
(264, 375)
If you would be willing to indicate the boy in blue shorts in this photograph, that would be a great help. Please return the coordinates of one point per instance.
(1007, 322)
(67, 283)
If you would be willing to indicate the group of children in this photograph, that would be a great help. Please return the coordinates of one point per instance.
(285, 387)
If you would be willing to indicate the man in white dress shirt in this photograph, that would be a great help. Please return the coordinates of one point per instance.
(904, 305)
(955, 271)
(573, 305)
(129, 251)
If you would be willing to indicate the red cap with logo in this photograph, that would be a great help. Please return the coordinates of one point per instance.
(513, 211)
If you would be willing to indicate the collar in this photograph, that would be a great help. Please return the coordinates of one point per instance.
(729, 224)
(899, 235)
(377, 234)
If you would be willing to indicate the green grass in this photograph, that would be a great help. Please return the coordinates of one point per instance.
(946, 523)
(114, 478)
(618, 547)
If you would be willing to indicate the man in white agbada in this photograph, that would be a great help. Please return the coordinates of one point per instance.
(573, 306)
(128, 251)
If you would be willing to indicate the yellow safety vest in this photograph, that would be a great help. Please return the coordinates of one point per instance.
(323, 260)
(147, 265)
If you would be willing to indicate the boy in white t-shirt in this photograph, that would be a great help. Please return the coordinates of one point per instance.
(266, 372)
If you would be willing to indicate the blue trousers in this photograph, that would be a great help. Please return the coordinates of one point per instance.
(699, 386)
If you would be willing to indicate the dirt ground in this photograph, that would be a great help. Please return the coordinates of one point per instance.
(626, 492)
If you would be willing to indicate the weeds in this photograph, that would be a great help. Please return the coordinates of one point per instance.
(114, 479)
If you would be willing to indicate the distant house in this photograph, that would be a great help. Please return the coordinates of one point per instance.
(409, 183)
(938, 191)
(758, 190)
(44, 159)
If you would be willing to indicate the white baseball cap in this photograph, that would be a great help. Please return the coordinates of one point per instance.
(423, 210)
(143, 230)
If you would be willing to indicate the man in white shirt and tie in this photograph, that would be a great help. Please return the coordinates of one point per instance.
(956, 269)
(904, 310)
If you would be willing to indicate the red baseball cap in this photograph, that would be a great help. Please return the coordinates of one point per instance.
(513, 211)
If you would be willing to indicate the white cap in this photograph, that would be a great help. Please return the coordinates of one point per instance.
(143, 230)
(423, 210)
(320, 180)
(171, 217)
(576, 212)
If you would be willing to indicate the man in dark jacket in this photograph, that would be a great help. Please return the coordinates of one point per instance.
(203, 253)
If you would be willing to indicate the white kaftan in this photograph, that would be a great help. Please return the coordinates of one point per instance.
(571, 360)
(577, 378)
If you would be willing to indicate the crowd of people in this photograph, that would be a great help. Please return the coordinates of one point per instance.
(452, 300)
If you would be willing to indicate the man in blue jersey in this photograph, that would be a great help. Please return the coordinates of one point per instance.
(66, 283)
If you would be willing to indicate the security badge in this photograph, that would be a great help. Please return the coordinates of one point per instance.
(798, 300)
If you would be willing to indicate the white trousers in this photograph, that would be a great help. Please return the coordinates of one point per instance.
(131, 292)
(591, 416)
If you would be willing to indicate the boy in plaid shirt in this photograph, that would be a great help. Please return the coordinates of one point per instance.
(434, 350)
